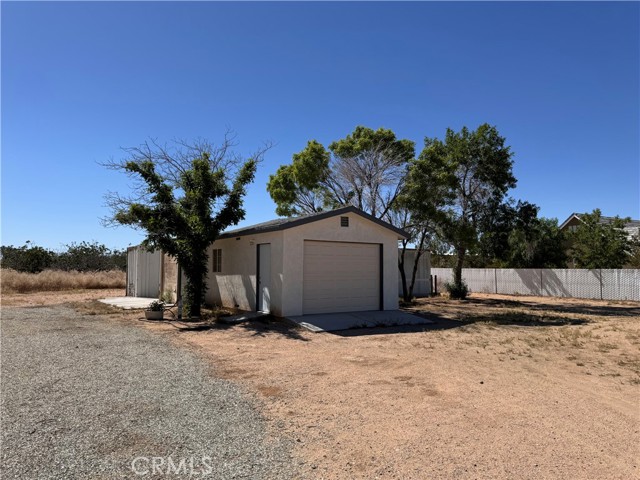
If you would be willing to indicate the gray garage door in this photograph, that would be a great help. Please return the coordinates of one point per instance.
(341, 277)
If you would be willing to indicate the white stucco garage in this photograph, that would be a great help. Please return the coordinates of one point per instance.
(339, 261)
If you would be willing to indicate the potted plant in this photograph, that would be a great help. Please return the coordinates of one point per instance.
(155, 310)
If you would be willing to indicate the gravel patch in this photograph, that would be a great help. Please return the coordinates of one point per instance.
(82, 397)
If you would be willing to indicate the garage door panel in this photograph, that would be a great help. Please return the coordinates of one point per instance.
(364, 291)
(341, 277)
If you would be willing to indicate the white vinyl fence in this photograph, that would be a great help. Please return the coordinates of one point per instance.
(605, 284)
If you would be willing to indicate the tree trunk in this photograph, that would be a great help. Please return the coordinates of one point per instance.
(457, 272)
(419, 252)
(415, 271)
(405, 293)
(193, 294)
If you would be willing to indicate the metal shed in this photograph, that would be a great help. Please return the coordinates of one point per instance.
(143, 272)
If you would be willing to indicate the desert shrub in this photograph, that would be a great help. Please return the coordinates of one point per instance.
(27, 258)
(13, 281)
(167, 296)
(90, 257)
(457, 291)
(83, 257)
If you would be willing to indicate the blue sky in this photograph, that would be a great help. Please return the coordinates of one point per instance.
(561, 81)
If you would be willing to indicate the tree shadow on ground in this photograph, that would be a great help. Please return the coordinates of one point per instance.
(440, 322)
(508, 318)
(531, 314)
(258, 327)
(603, 310)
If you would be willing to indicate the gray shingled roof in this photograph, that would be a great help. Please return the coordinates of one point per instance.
(603, 220)
(632, 223)
(290, 222)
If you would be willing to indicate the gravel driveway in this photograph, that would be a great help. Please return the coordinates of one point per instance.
(90, 397)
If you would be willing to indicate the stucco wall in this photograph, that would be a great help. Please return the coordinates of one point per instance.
(329, 229)
(235, 286)
(169, 277)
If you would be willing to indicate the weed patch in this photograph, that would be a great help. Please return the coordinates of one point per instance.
(57, 280)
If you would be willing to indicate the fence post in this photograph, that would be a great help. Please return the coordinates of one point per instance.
(495, 278)
(541, 277)
(435, 284)
(601, 284)
(126, 285)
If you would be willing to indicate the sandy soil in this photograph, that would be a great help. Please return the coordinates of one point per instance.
(499, 387)
(546, 389)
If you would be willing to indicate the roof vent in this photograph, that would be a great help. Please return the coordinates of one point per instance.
(344, 221)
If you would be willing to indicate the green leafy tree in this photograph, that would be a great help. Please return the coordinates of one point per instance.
(495, 227)
(598, 244)
(365, 169)
(634, 254)
(472, 170)
(300, 187)
(184, 197)
(422, 225)
(540, 244)
(513, 236)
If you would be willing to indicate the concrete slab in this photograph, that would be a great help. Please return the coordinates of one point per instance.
(128, 303)
(242, 317)
(330, 322)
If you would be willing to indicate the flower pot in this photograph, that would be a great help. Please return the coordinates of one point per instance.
(153, 314)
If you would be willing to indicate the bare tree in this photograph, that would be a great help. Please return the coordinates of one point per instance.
(171, 161)
(371, 180)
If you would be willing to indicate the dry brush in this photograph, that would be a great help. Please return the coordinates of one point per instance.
(12, 281)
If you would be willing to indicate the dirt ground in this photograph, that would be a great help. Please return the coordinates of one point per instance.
(55, 298)
(498, 387)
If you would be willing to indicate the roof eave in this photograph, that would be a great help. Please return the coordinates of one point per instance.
(571, 217)
(321, 216)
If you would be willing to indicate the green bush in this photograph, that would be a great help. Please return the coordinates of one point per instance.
(81, 257)
(90, 257)
(27, 258)
(457, 291)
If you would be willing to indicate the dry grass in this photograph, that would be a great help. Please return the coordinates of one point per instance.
(56, 280)
(94, 307)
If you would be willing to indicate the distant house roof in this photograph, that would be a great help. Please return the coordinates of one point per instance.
(603, 220)
(290, 222)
